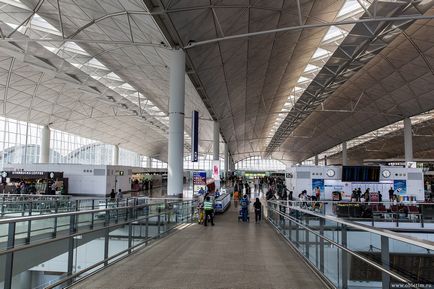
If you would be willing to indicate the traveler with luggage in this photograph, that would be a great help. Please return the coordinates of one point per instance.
(209, 211)
(244, 208)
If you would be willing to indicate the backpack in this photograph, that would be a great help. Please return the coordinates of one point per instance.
(244, 203)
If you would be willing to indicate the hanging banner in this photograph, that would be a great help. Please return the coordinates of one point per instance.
(194, 136)
(199, 181)
(216, 170)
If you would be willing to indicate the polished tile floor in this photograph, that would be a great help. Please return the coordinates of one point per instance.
(228, 255)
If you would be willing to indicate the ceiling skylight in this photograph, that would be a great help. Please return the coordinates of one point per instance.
(92, 66)
(378, 133)
(332, 39)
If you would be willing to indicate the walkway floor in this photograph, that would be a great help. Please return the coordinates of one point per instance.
(228, 255)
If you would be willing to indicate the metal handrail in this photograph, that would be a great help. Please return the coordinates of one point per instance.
(66, 214)
(48, 241)
(406, 203)
(73, 275)
(131, 212)
(426, 244)
(390, 273)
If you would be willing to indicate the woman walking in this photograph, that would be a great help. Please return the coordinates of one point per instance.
(258, 210)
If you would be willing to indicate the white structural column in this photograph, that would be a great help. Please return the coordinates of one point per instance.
(344, 154)
(226, 159)
(216, 142)
(408, 140)
(316, 160)
(148, 162)
(176, 122)
(44, 156)
(115, 155)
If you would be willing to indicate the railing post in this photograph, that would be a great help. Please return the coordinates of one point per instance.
(397, 218)
(316, 251)
(117, 210)
(306, 239)
(29, 224)
(56, 210)
(71, 245)
(146, 224)
(385, 259)
(130, 236)
(192, 213)
(106, 237)
(297, 235)
(127, 210)
(344, 258)
(421, 216)
(10, 257)
(290, 230)
(321, 245)
(92, 222)
(158, 220)
(3, 205)
(166, 214)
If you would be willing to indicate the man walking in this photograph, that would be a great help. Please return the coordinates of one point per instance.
(209, 211)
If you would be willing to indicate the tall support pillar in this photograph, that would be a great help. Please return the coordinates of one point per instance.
(44, 156)
(316, 160)
(148, 162)
(408, 140)
(216, 142)
(115, 155)
(226, 159)
(344, 154)
(176, 123)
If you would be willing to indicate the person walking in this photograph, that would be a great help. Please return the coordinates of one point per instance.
(209, 211)
(119, 195)
(236, 198)
(258, 210)
(244, 208)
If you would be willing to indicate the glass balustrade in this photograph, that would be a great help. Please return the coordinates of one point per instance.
(352, 255)
(86, 236)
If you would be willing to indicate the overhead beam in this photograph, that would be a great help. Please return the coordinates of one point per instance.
(311, 26)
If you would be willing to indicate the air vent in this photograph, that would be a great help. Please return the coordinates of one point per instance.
(46, 61)
(95, 88)
(73, 76)
(111, 98)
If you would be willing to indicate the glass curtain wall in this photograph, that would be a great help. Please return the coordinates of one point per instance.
(256, 163)
(20, 143)
(204, 163)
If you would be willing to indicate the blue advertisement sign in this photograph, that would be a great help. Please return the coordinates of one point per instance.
(194, 136)
(318, 183)
(400, 187)
(199, 181)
